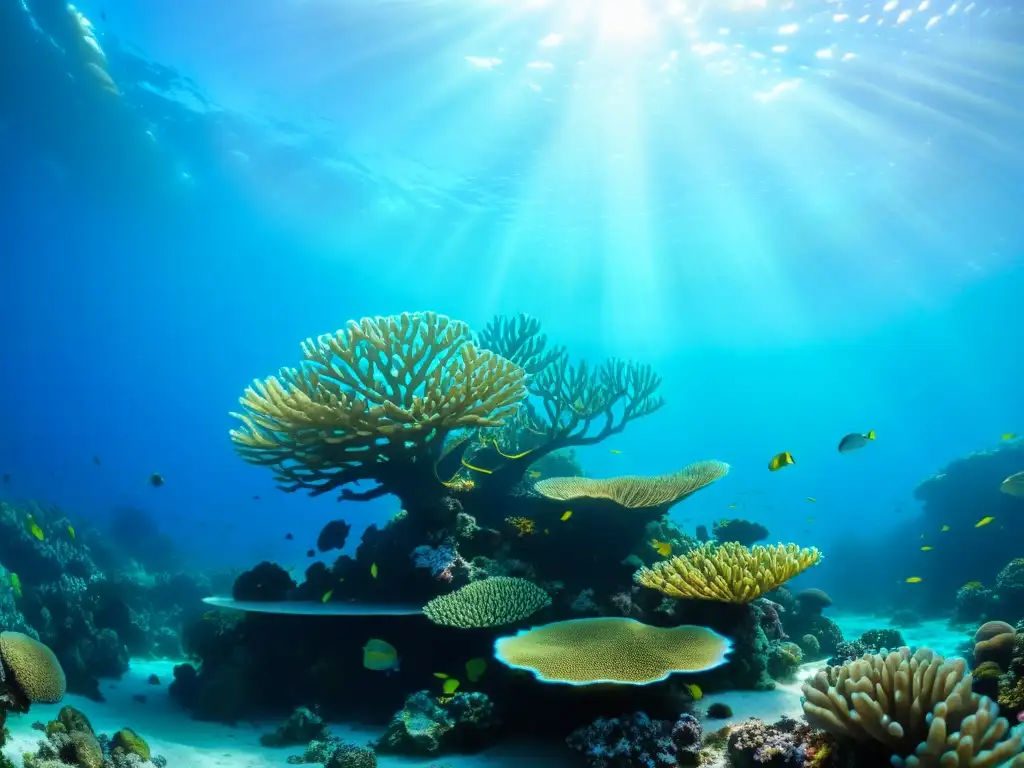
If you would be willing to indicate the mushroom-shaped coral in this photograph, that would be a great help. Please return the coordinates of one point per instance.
(491, 602)
(371, 400)
(635, 492)
(917, 709)
(743, 532)
(31, 673)
(728, 572)
(611, 650)
(813, 601)
(994, 642)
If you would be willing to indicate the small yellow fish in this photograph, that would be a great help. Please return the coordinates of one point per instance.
(327, 596)
(914, 580)
(1008, 436)
(475, 669)
(812, 499)
(732, 506)
(984, 521)
(944, 528)
(566, 515)
(927, 549)
(780, 460)
(15, 584)
(373, 570)
(451, 685)
(533, 474)
(695, 691)
(663, 548)
(616, 451)
(34, 529)
(440, 675)
(71, 531)
(810, 519)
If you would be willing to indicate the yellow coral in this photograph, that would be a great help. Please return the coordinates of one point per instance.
(635, 492)
(729, 573)
(611, 650)
(524, 525)
(370, 399)
(33, 666)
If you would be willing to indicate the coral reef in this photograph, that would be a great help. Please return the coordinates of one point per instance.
(786, 742)
(492, 602)
(637, 740)
(71, 740)
(301, 727)
(429, 725)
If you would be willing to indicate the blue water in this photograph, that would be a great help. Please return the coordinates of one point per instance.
(805, 216)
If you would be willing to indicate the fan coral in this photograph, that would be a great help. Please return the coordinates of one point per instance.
(372, 398)
(611, 742)
(634, 492)
(491, 602)
(611, 650)
(34, 670)
(918, 709)
(728, 573)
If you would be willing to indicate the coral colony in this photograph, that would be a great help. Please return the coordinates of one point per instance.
(512, 594)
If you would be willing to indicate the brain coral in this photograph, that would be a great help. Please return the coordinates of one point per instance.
(611, 650)
(34, 667)
(491, 602)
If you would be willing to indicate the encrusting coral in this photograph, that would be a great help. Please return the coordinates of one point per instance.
(611, 650)
(29, 673)
(728, 573)
(917, 709)
(372, 400)
(491, 602)
(635, 492)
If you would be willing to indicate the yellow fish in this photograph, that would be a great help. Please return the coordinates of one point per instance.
(566, 515)
(927, 549)
(944, 528)
(34, 529)
(914, 580)
(732, 506)
(380, 656)
(812, 499)
(15, 584)
(71, 531)
(663, 548)
(984, 521)
(616, 451)
(810, 519)
(1008, 436)
(695, 691)
(327, 596)
(440, 675)
(450, 686)
(534, 474)
(780, 460)
(373, 570)
(475, 669)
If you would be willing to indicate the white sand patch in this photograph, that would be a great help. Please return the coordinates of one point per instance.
(933, 633)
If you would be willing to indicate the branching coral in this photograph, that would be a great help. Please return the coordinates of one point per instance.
(728, 572)
(372, 400)
(520, 340)
(917, 708)
(634, 492)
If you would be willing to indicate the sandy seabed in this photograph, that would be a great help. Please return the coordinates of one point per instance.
(187, 743)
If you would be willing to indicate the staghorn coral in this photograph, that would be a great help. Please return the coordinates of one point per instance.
(371, 400)
(728, 572)
(635, 492)
(491, 602)
(520, 340)
(917, 709)
(611, 650)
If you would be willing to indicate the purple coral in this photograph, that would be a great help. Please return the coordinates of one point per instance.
(770, 620)
(787, 742)
(439, 560)
(638, 741)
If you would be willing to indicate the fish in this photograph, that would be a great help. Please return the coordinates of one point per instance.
(256, 498)
(96, 460)
(15, 584)
(373, 570)
(533, 474)
(812, 499)
(927, 548)
(732, 506)
(33, 527)
(984, 521)
(914, 580)
(156, 480)
(450, 686)
(475, 669)
(1008, 436)
(380, 656)
(327, 596)
(810, 519)
(616, 451)
(780, 460)
(441, 676)
(695, 691)
(663, 548)
(310, 553)
(855, 440)
(288, 537)
(71, 531)
(547, 531)
(944, 528)
(566, 515)
(1013, 485)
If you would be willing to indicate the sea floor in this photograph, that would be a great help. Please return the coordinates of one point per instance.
(187, 743)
